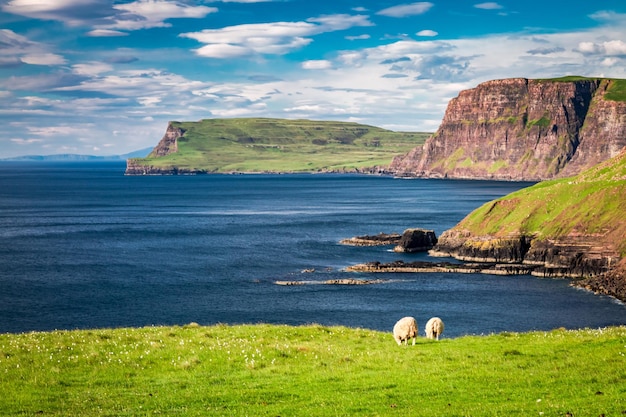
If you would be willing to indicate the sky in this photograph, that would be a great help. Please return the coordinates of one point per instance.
(102, 77)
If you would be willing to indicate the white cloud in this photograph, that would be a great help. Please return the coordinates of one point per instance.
(107, 18)
(149, 101)
(317, 64)
(607, 48)
(105, 33)
(488, 6)
(358, 37)
(71, 12)
(427, 33)
(43, 59)
(22, 142)
(223, 50)
(276, 38)
(143, 14)
(405, 10)
(91, 68)
(16, 49)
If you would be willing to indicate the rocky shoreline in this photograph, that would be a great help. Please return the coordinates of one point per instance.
(578, 259)
(339, 281)
(459, 268)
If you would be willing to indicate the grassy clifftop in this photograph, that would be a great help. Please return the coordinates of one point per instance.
(281, 145)
(592, 203)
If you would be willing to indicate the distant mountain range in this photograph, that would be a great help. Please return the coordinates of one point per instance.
(70, 157)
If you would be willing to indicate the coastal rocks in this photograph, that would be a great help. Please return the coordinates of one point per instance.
(430, 267)
(338, 281)
(570, 257)
(612, 283)
(380, 239)
(411, 240)
(416, 240)
(135, 167)
(521, 129)
(463, 246)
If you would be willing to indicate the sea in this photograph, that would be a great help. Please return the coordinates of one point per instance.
(82, 246)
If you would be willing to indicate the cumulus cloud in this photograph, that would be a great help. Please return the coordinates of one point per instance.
(358, 37)
(43, 59)
(545, 51)
(404, 10)
(276, 38)
(91, 68)
(108, 19)
(427, 33)
(143, 14)
(609, 48)
(71, 12)
(317, 64)
(105, 33)
(488, 6)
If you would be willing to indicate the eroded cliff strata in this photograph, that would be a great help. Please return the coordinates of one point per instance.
(521, 129)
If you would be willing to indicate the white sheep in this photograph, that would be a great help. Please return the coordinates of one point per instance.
(405, 329)
(434, 328)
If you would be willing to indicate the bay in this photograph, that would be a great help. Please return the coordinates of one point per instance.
(83, 246)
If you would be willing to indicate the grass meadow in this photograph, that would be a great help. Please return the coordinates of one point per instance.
(314, 370)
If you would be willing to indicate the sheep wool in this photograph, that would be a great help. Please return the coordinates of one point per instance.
(434, 328)
(405, 329)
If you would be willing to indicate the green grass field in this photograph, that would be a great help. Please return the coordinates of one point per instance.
(591, 203)
(281, 145)
(268, 370)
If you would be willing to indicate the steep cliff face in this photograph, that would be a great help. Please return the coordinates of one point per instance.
(520, 129)
(169, 143)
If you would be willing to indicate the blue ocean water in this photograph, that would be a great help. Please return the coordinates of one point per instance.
(83, 246)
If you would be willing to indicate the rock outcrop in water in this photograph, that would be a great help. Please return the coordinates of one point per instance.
(416, 240)
(411, 240)
(521, 129)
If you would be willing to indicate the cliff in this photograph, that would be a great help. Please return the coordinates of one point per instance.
(573, 227)
(521, 129)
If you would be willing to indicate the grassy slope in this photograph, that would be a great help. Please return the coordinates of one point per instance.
(257, 145)
(593, 202)
(311, 370)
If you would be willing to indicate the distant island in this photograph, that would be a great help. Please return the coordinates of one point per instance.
(263, 145)
(70, 157)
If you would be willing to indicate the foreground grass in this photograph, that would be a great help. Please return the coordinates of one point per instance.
(313, 370)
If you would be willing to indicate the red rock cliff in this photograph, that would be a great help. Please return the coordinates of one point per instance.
(520, 129)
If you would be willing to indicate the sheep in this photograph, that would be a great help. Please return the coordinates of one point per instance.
(434, 328)
(405, 329)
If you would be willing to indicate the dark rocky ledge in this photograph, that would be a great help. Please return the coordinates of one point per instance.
(380, 239)
(411, 240)
(462, 268)
(339, 281)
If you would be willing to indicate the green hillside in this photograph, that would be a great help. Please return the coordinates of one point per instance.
(267, 370)
(281, 145)
(592, 203)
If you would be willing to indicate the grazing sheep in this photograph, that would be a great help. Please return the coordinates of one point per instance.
(434, 328)
(405, 329)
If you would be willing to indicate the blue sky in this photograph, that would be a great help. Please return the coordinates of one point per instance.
(104, 77)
